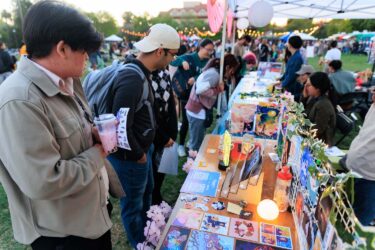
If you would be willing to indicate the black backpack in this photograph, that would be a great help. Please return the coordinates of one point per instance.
(180, 79)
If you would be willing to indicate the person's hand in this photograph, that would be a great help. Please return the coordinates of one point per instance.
(221, 86)
(95, 135)
(185, 65)
(143, 160)
(101, 150)
(169, 143)
(191, 81)
(304, 92)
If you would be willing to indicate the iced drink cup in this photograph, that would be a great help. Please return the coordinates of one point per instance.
(106, 124)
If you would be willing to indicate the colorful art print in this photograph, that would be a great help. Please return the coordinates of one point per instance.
(253, 161)
(300, 203)
(242, 117)
(309, 227)
(201, 182)
(267, 228)
(269, 239)
(306, 161)
(318, 243)
(295, 152)
(188, 218)
(176, 238)
(266, 120)
(284, 242)
(245, 245)
(215, 223)
(285, 154)
(244, 229)
(322, 214)
(312, 188)
(199, 240)
(283, 231)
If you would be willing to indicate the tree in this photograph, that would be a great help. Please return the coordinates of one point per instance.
(103, 22)
(20, 8)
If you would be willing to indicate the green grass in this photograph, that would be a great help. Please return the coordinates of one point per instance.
(350, 62)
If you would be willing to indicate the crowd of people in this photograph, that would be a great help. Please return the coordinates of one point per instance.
(55, 173)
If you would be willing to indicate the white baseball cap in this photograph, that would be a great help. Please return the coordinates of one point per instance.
(159, 36)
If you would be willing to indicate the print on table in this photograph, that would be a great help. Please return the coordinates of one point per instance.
(284, 242)
(269, 239)
(244, 229)
(215, 223)
(268, 228)
(199, 240)
(283, 231)
(188, 218)
(275, 235)
(245, 245)
(176, 238)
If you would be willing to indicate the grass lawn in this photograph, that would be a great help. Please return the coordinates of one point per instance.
(349, 62)
(171, 186)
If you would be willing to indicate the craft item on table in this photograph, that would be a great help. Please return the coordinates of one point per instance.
(211, 150)
(285, 154)
(245, 245)
(295, 153)
(266, 120)
(201, 182)
(269, 70)
(322, 212)
(202, 164)
(227, 145)
(206, 200)
(176, 238)
(201, 206)
(218, 205)
(318, 243)
(188, 198)
(215, 223)
(246, 215)
(244, 229)
(277, 236)
(188, 205)
(242, 203)
(208, 241)
(331, 239)
(281, 193)
(274, 157)
(306, 161)
(309, 227)
(242, 117)
(234, 208)
(188, 218)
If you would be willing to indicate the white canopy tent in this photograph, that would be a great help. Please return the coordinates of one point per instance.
(113, 38)
(306, 37)
(308, 9)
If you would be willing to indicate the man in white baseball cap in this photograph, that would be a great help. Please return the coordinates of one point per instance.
(134, 165)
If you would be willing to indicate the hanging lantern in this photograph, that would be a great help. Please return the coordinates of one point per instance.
(242, 23)
(260, 14)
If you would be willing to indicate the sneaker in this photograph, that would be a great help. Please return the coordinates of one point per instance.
(181, 151)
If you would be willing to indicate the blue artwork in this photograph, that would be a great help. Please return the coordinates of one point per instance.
(306, 161)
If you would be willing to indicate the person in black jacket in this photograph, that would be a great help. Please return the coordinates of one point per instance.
(166, 120)
(134, 166)
(6, 63)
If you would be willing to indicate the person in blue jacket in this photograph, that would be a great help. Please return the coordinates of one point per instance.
(289, 79)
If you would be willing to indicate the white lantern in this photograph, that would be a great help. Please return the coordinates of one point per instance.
(260, 14)
(267, 209)
(242, 23)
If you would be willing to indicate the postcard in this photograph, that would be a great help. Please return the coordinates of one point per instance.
(245, 245)
(282, 231)
(176, 238)
(215, 223)
(199, 240)
(188, 218)
(267, 121)
(269, 239)
(244, 229)
(201, 182)
(284, 242)
(267, 228)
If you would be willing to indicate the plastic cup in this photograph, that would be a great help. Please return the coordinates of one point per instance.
(107, 125)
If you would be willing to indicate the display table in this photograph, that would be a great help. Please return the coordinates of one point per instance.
(208, 160)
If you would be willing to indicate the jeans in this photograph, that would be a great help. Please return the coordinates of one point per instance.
(364, 200)
(138, 183)
(184, 123)
(158, 177)
(196, 132)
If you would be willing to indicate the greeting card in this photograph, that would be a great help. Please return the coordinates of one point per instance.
(215, 223)
(199, 240)
(244, 229)
(245, 245)
(188, 218)
(176, 238)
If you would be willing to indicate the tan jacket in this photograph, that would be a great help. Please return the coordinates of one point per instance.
(50, 172)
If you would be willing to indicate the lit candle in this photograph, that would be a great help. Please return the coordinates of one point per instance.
(268, 210)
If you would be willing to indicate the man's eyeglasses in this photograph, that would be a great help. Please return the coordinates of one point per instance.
(167, 51)
(210, 51)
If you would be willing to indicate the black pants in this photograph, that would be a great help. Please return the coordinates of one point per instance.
(158, 177)
(185, 123)
(74, 242)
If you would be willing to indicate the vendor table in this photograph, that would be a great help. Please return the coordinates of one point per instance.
(208, 161)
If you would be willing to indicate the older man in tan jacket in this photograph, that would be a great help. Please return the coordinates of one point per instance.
(51, 159)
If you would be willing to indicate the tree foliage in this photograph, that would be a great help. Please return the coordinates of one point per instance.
(103, 22)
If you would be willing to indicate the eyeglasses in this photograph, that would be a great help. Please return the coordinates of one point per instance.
(210, 51)
(167, 51)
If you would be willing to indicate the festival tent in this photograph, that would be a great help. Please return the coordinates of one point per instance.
(113, 38)
(194, 37)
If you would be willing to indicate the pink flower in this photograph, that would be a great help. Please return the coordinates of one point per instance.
(192, 153)
(188, 165)
(165, 209)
